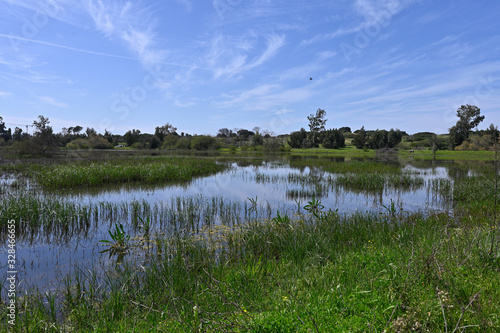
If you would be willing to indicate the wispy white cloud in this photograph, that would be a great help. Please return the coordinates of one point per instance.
(265, 97)
(374, 12)
(230, 57)
(327, 36)
(274, 43)
(130, 23)
(186, 104)
(110, 16)
(38, 77)
(4, 94)
(52, 101)
(36, 41)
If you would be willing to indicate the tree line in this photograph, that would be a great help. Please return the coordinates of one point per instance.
(44, 142)
(460, 136)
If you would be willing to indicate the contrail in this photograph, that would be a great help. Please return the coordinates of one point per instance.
(95, 52)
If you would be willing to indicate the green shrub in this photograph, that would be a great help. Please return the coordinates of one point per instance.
(183, 143)
(203, 142)
(79, 143)
(170, 141)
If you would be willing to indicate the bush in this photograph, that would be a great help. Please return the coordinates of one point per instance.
(203, 142)
(273, 144)
(299, 139)
(333, 139)
(476, 142)
(170, 141)
(183, 143)
(94, 142)
(78, 144)
(99, 142)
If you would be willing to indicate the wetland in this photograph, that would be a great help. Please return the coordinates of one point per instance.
(252, 242)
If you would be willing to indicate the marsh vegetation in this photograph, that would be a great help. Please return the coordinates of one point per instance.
(255, 243)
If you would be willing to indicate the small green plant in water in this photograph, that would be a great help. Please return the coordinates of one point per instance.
(253, 207)
(145, 225)
(281, 219)
(391, 209)
(314, 207)
(119, 243)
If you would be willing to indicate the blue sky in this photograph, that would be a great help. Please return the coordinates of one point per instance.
(206, 65)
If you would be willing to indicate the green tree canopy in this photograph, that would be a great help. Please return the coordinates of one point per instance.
(316, 124)
(162, 131)
(333, 139)
(469, 118)
(359, 140)
(298, 139)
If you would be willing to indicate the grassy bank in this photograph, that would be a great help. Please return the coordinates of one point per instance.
(324, 273)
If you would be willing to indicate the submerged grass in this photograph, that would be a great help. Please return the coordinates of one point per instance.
(348, 166)
(393, 271)
(328, 273)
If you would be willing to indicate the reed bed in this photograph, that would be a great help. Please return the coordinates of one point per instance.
(46, 217)
(224, 266)
(51, 218)
(145, 170)
(348, 166)
(322, 273)
(441, 189)
(372, 181)
(477, 194)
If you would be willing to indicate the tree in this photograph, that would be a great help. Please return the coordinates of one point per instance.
(394, 137)
(162, 131)
(5, 133)
(43, 142)
(298, 139)
(18, 134)
(108, 136)
(244, 134)
(225, 133)
(90, 132)
(132, 136)
(333, 139)
(154, 142)
(469, 118)
(493, 132)
(76, 129)
(42, 125)
(316, 124)
(378, 139)
(257, 140)
(359, 140)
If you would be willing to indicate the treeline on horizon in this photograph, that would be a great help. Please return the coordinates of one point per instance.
(44, 142)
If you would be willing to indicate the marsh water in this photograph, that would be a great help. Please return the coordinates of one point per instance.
(249, 189)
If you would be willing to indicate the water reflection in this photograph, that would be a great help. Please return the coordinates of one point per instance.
(65, 228)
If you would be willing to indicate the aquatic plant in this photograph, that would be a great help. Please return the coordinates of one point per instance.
(119, 243)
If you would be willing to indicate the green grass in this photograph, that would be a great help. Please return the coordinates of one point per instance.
(329, 274)
(348, 150)
(145, 170)
(451, 155)
(393, 271)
